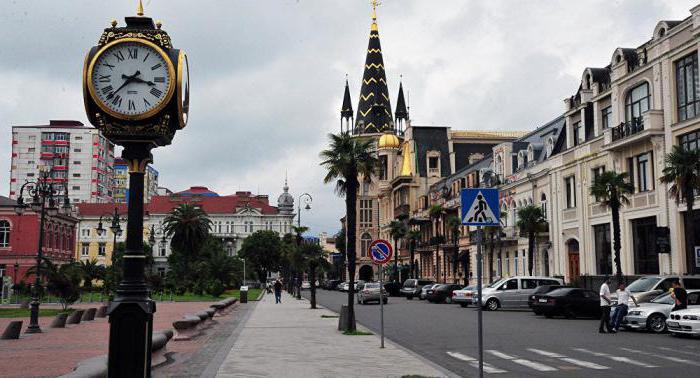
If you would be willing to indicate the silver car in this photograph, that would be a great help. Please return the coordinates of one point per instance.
(369, 292)
(424, 290)
(647, 288)
(512, 292)
(652, 316)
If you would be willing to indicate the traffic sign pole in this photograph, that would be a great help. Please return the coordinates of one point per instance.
(381, 251)
(479, 274)
(381, 303)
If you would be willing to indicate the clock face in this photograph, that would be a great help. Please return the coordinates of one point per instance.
(131, 79)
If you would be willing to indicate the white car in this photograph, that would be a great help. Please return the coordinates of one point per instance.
(684, 322)
(464, 295)
(652, 316)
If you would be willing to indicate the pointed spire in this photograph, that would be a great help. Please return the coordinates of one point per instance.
(139, 9)
(374, 107)
(346, 109)
(401, 111)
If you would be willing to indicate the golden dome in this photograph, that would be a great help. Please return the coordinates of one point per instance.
(388, 141)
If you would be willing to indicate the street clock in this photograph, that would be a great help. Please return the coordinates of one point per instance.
(135, 84)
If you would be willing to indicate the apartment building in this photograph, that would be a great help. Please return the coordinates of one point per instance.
(121, 182)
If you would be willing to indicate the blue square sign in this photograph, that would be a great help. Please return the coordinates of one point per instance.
(480, 207)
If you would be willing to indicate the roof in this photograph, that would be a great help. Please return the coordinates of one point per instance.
(7, 202)
(346, 109)
(401, 110)
(479, 134)
(62, 124)
(201, 191)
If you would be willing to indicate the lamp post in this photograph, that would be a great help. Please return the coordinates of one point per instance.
(117, 231)
(44, 196)
(307, 200)
(152, 238)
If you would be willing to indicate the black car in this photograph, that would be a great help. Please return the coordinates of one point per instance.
(442, 293)
(539, 291)
(393, 288)
(331, 284)
(570, 302)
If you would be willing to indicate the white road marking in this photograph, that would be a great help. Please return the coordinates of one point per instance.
(694, 354)
(521, 361)
(670, 358)
(616, 358)
(573, 361)
(473, 362)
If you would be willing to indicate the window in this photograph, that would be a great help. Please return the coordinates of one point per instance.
(570, 183)
(75, 187)
(642, 173)
(76, 162)
(4, 234)
(77, 150)
(509, 285)
(528, 283)
(366, 213)
(30, 174)
(597, 171)
(78, 138)
(577, 132)
(687, 87)
(499, 266)
(603, 250)
(85, 232)
(433, 165)
(516, 259)
(383, 166)
(161, 272)
(76, 175)
(606, 117)
(637, 101)
(507, 263)
(31, 149)
(85, 249)
(543, 205)
(690, 141)
(365, 241)
(101, 249)
(161, 251)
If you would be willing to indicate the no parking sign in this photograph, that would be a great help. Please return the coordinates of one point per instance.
(380, 251)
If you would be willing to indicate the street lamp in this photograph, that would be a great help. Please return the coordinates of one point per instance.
(116, 229)
(43, 196)
(307, 200)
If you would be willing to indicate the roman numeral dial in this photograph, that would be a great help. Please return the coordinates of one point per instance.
(131, 79)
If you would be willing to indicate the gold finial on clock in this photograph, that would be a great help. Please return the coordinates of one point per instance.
(114, 23)
(139, 9)
(158, 24)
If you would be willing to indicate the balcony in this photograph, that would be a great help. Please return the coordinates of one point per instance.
(637, 130)
(401, 210)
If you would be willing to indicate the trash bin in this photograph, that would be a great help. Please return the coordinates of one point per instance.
(244, 294)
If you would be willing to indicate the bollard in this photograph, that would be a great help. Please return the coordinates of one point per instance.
(75, 317)
(101, 312)
(59, 321)
(89, 315)
(12, 331)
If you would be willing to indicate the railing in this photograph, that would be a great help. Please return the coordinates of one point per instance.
(628, 128)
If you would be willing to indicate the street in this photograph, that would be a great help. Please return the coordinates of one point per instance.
(518, 343)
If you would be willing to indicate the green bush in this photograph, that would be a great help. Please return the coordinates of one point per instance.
(215, 288)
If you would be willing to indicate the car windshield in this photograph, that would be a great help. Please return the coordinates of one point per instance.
(664, 299)
(560, 292)
(409, 283)
(372, 285)
(470, 287)
(643, 284)
(498, 283)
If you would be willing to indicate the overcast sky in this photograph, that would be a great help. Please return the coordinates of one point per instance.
(267, 76)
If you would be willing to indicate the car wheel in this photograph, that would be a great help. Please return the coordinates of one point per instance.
(464, 304)
(548, 315)
(492, 304)
(409, 297)
(569, 313)
(656, 323)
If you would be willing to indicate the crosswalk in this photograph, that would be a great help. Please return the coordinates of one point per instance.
(568, 359)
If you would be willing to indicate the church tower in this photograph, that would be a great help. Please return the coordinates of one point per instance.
(374, 107)
(401, 115)
(346, 118)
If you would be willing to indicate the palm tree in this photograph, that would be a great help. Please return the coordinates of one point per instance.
(299, 231)
(530, 222)
(682, 171)
(413, 236)
(397, 230)
(61, 280)
(189, 228)
(611, 190)
(435, 213)
(346, 160)
(91, 271)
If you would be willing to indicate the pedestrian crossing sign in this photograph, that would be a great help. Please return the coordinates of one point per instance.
(480, 207)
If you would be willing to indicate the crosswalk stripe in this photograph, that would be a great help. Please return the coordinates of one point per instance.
(694, 354)
(521, 361)
(616, 358)
(573, 361)
(670, 358)
(473, 362)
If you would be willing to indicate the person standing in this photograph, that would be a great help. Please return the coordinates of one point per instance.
(605, 302)
(680, 296)
(623, 298)
(278, 291)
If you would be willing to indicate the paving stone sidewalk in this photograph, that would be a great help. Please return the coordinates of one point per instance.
(291, 340)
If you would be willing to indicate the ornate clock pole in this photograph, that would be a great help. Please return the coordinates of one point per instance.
(136, 91)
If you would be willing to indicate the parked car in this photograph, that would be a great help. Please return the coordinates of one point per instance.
(331, 284)
(684, 322)
(370, 292)
(442, 293)
(393, 288)
(647, 288)
(424, 290)
(512, 292)
(571, 302)
(652, 316)
(412, 287)
(358, 284)
(344, 286)
(305, 285)
(539, 291)
(464, 295)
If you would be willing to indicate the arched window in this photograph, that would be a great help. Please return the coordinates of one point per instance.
(637, 101)
(4, 234)
(504, 214)
(365, 241)
(543, 204)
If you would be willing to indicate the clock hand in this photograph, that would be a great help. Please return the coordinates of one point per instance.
(139, 80)
(128, 80)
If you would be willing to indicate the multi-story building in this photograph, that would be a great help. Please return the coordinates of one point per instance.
(234, 217)
(76, 155)
(19, 239)
(121, 182)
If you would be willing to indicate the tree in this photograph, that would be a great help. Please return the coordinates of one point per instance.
(397, 230)
(346, 160)
(299, 231)
(454, 224)
(63, 281)
(413, 236)
(611, 190)
(261, 250)
(435, 212)
(682, 171)
(188, 226)
(91, 271)
(530, 221)
(314, 257)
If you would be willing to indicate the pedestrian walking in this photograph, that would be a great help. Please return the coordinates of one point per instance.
(623, 298)
(680, 296)
(605, 302)
(278, 291)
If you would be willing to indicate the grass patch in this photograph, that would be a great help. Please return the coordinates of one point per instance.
(253, 295)
(357, 333)
(330, 316)
(21, 313)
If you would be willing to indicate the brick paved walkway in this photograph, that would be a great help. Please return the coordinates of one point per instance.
(56, 351)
